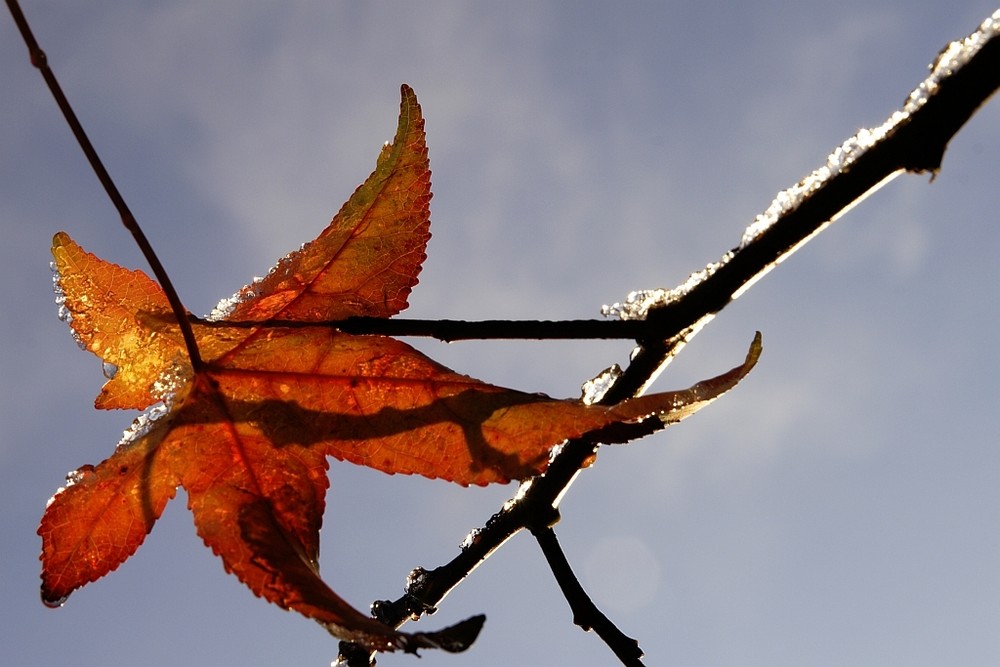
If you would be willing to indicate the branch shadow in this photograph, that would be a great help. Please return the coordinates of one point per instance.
(286, 423)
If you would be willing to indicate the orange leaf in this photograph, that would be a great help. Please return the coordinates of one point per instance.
(106, 303)
(367, 260)
(248, 434)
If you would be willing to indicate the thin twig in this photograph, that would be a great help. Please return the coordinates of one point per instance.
(40, 60)
(450, 331)
(585, 612)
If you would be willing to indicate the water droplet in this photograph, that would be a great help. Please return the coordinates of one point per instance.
(416, 578)
(60, 295)
(109, 370)
(143, 424)
(54, 603)
(470, 539)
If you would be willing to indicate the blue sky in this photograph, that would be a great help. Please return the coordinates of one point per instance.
(839, 507)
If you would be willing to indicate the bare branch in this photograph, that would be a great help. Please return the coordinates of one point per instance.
(963, 77)
(450, 331)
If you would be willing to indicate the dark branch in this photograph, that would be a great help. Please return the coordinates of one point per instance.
(916, 144)
(450, 331)
(585, 612)
(455, 330)
(39, 60)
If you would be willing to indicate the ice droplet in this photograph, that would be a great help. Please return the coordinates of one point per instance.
(525, 486)
(142, 425)
(80, 474)
(637, 304)
(223, 309)
(416, 578)
(109, 370)
(54, 603)
(951, 59)
(64, 313)
(164, 388)
(595, 388)
(470, 539)
(226, 306)
(73, 477)
(60, 295)
(170, 380)
(840, 160)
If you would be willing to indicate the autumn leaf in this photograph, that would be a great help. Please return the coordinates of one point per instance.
(248, 432)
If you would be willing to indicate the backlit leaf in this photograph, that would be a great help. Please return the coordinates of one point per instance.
(249, 433)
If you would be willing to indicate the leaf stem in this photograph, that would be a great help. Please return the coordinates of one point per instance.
(39, 60)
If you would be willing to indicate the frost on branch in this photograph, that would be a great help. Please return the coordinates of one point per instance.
(948, 63)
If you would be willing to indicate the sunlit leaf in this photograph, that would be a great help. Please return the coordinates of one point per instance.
(248, 434)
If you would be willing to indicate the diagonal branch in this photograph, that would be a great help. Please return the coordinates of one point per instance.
(964, 75)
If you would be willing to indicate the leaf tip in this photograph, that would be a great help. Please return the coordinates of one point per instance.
(60, 239)
(756, 347)
(62, 243)
(452, 639)
(456, 638)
